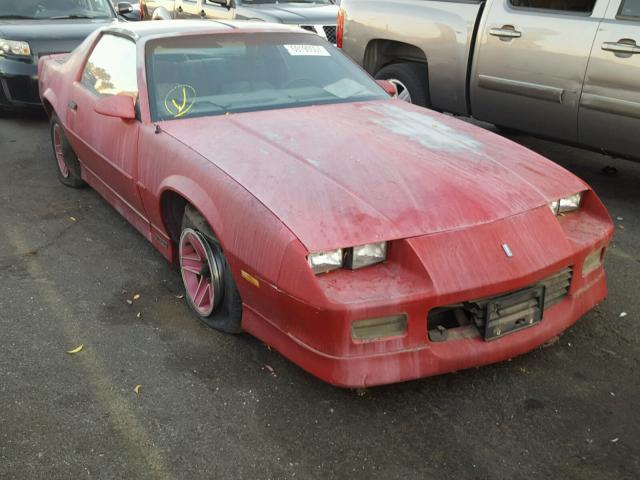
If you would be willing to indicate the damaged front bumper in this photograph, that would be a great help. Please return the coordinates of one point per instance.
(449, 289)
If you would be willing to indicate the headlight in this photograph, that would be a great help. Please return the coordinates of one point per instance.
(567, 204)
(365, 255)
(323, 262)
(353, 258)
(11, 47)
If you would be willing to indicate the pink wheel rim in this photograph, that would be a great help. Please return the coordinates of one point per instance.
(57, 146)
(196, 269)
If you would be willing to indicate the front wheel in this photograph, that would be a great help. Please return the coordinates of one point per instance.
(410, 80)
(210, 289)
(67, 163)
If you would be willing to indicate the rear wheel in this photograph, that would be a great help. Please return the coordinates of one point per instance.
(410, 80)
(67, 163)
(210, 289)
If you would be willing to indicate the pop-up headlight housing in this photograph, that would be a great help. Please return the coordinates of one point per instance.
(566, 204)
(352, 258)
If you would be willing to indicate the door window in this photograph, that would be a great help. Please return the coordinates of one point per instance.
(630, 9)
(578, 6)
(111, 68)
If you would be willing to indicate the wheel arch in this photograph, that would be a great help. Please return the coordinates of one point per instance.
(382, 52)
(48, 101)
(178, 192)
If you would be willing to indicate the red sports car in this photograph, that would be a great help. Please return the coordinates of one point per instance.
(368, 240)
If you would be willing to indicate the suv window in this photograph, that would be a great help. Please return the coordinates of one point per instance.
(578, 6)
(630, 8)
(111, 68)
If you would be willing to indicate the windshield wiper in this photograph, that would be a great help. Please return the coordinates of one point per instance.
(65, 17)
(20, 17)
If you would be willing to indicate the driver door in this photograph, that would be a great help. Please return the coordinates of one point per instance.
(106, 146)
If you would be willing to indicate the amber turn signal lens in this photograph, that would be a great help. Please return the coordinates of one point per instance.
(592, 261)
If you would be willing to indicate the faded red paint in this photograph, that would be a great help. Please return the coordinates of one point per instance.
(276, 185)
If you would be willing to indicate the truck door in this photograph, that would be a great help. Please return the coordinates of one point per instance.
(187, 9)
(531, 59)
(609, 116)
(217, 10)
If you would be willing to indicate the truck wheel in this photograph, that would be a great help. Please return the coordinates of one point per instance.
(411, 81)
(209, 286)
(67, 163)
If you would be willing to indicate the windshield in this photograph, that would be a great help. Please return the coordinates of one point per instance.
(230, 73)
(55, 9)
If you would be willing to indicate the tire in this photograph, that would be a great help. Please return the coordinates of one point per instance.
(506, 130)
(67, 164)
(219, 305)
(408, 77)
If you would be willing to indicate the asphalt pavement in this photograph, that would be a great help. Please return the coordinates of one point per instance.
(210, 405)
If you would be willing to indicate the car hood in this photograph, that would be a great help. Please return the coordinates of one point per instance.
(51, 36)
(296, 14)
(349, 174)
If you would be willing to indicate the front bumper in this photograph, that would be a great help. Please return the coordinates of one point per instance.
(426, 273)
(431, 358)
(18, 84)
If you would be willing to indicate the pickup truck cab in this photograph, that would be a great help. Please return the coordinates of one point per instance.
(319, 16)
(567, 70)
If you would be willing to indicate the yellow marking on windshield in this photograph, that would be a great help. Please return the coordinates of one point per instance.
(180, 100)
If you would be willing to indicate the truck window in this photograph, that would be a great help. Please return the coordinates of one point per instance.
(578, 6)
(630, 9)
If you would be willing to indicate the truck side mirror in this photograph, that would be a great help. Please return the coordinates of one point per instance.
(124, 8)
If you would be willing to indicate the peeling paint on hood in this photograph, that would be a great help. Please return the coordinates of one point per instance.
(427, 130)
(348, 174)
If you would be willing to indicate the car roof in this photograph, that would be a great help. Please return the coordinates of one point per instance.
(177, 28)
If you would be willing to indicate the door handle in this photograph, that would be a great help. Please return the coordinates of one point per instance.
(506, 31)
(72, 105)
(625, 45)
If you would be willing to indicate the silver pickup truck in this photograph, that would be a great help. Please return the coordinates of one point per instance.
(568, 70)
(318, 16)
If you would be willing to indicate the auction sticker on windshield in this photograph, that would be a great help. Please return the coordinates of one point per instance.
(307, 51)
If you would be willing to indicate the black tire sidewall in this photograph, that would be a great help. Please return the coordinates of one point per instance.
(227, 317)
(414, 76)
(74, 180)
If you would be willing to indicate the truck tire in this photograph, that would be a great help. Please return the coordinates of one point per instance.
(411, 80)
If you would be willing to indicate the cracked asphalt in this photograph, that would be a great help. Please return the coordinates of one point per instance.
(219, 406)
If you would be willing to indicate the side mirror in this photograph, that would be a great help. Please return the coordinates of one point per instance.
(117, 106)
(124, 8)
(388, 87)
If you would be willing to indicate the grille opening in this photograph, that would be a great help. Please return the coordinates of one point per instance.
(330, 32)
(448, 323)
(469, 319)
